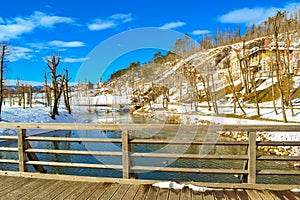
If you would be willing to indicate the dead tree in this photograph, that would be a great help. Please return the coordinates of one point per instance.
(47, 91)
(23, 96)
(276, 28)
(3, 48)
(255, 93)
(66, 92)
(57, 84)
(206, 90)
(231, 83)
(273, 89)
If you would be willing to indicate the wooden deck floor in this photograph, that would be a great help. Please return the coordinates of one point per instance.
(31, 188)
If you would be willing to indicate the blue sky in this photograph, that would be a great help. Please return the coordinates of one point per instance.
(35, 29)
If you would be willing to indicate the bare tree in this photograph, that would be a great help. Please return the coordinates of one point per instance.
(57, 83)
(231, 83)
(3, 49)
(66, 92)
(276, 27)
(206, 90)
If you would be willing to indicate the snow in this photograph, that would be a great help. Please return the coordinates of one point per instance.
(37, 114)
(177, 186)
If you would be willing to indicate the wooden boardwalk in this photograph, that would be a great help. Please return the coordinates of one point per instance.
(33, 188)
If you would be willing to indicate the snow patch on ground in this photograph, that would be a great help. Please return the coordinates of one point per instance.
(37, 114)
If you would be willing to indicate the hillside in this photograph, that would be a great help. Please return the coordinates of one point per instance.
(237, 76)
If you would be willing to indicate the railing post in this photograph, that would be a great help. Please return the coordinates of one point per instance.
(252, 158)
(125, 154)
(21, 150)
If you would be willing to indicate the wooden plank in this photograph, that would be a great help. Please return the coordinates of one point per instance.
(297, 194)
(110, 191)
(75, 152)
(174, 194)
(170, 127)
(230, 194)
(171, 142)
(64, 139)
(208, 195)
(285, 194)
(142, 192)
(74, 165)
(253, 195)
(252, 158)
(273, 196)
(190, 156)
(100, 189)
(67, 189)
(152, 193)
(279, 194)
(8, 137)
(278, 143)
(120, 192)
(7, 181)
(15, 186)
(125, 156)
(163, 194)
(279, 158)
(24, 189)
(190, 170)
(33, 157)
(131, 192)
(9, 149)
(265, 194)
(9, 161)
(242, 194)
(196, 195)
(54, 190)
(89, 191)
(219, 194)
(21, 150)
(79, 190)
(278, 172)
(186, 194)
(38, 190)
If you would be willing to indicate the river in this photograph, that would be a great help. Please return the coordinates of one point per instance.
(160, 162)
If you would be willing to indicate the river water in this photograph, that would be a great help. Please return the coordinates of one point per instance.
(158, 162)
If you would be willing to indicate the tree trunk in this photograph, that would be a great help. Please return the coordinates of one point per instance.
(207, 94)
(273, 91)
(231, 83)
(255, 93)
(1, 77)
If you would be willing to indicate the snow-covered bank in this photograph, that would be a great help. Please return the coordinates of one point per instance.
(37, 114)
(184, 114)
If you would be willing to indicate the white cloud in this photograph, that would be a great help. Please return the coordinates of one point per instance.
(15, 27)
(255, 15)
(44, 20)
(101, 25)
(17, 53)
(200, 32)
(74, 60)
(124, 17)
(110, 22)
(172, 25)
(62, 44)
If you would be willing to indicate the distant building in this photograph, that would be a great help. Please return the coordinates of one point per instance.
(263, 58)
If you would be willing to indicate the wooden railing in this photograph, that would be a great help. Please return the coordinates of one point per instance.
(27, 154)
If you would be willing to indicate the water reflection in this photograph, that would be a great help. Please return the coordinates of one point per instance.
(146, 148)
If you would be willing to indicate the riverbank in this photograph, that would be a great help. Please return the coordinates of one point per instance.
(183, 114)
(36, 114)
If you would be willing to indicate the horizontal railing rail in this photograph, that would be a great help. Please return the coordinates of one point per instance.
(27, 155)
